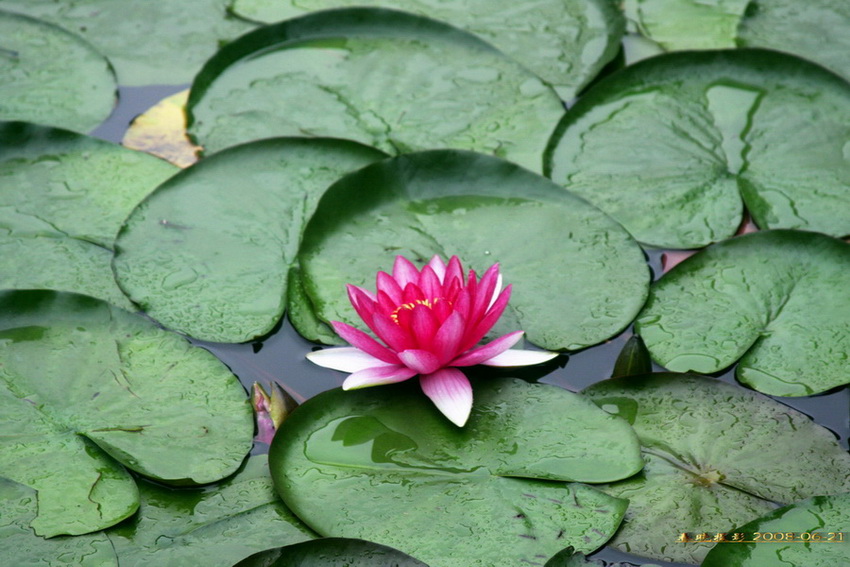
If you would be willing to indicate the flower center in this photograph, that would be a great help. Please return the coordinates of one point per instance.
(429, 303)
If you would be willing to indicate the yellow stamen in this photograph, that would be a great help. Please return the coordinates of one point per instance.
(429, 303)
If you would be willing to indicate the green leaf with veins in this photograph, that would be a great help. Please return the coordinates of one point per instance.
(674, 146)
(717, 456)
(87, 389)
(775, 301)
(389, 79)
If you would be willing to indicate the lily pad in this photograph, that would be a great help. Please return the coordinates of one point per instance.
(674, 146)
(51, 76)
(164, 42)
(215, 526)
(815, 30)
(414, 481)
(582, 282)
(88, 389)
(332, 552)
(20, 546)
(717, 456)
(811, 533)
(64, 197)
(213, 264)
(776, 300)
(389, 79)
(565, 42)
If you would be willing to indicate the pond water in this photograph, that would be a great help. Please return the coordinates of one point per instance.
(281, 355)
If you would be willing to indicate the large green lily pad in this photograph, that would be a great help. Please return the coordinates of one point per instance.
(581, 283)
(87, 389)
(718, 456)
(209, 251)
(215, 526)
(332, 552)
(811, 533)
(565, 42)
(51, 76)
(815, 30)
(776, 300)
(674, 146)
(386, 466)
(20, 546)
(148, 41)
(389, 79)
(64, 196)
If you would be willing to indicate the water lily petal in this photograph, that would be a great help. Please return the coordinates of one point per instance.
(448, 337)
(362, 300)
(496, 291)
(395, 336)
(385, 283)
(404, 272)
(476, 330)
(451, 392)
(519, 357)
(364, 342)
(488, 351)
(430, 283)
(484, 293)
(422, 361)
(378, 376)
(454, 272)
(345, 359)
(439, 267)
(424, 324)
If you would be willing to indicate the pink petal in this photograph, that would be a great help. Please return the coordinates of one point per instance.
(439, 267)
(422, 361)
(430, 284)
(488, 351)
(424, 325)
(484, 293)
(517, 357)
(385, 283)
(448, 337)
(345, 359)
(395, 336)
(378, 376)
(413, 293)
(477, 330)
(404, 272)
(362, 301)
(451, 392)
(454, 272)
(364, 342)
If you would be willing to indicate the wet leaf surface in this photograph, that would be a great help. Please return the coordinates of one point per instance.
(51, 76)
(580, 284)
(209, 251)
(20, 546)
(566, 43)
(384, 465)
(388, 79)
(812, 532)
(717, 456)
(148, 42)
(776, 300)
(64, 198)
(89, 389)
(675, 146)
(332, 552)
(215, 526)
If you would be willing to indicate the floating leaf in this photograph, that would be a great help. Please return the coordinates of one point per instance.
(65, 196)
(776, 300)
(332, 552)
(386, 466)
(815, 30)
(717, 456)
(50, 76)
(148, 41)
(202, 260)
(161, 131)
(213, 526)
(565, 42)
(20, 546)
(674, 146)
(581, 283)
(388, 79)
(87, 388)
(810, 533)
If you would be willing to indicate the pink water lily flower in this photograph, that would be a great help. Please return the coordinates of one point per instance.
(430, 322)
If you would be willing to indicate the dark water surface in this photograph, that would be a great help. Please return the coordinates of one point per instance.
(281, 355)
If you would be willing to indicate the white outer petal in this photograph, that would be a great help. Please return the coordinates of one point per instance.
(345, 359)
(518, 357)
(496, 291)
